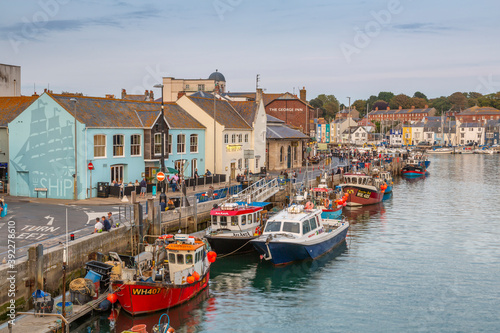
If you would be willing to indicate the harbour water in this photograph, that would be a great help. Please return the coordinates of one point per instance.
(426, 260)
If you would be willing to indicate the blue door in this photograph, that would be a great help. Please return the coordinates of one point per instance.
(289, 158)
(23, 184)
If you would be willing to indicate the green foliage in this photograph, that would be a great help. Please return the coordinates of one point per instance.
(458, 101)
(327, 103)
(380, 104)
(441, 104)
(360, 105)
(400, 100)
(385, 96)
(418, 102)
(418, 94)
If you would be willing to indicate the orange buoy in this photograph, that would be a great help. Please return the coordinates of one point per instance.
(196, 275)
(211, 256)
(112, 298)
(190, 279)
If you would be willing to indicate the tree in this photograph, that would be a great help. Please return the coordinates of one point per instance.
(371, 101)
(418, 94)
(385, 96)
(418, 102)
(360, 105)
(458, 101)
(380, 104)
(441, 104)
(329, 105)
(400, 100)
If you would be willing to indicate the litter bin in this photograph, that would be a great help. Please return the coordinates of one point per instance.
(102, 189)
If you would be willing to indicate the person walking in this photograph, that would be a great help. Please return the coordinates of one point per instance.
(144, 187)
(195, 176)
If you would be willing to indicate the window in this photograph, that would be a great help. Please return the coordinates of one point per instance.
(243, 219)
(273, 227)
(214, 220)
(189, 258)
(135, 145)
(306, 227)
(295, 157)
(117, 173)
(187, 87)
(312, 222)
(246, 163)
(201, 87)
(169, 144)
(223, 221)
(181, 143)
(100, 145)
(193, 140)
(257, 164)
(180, 259)
(479, 135)
(250, 216)
(233, 138)
(239, 138)
(179, 165)
(158, 144)
(291, 227)
(239, 164)
(171, 258)
(118, 145)
(226, 138)
(281, 155)
(234, 221)
(246, 137)
(462, 135)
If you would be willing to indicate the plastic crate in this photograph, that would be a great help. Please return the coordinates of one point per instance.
(102, 269)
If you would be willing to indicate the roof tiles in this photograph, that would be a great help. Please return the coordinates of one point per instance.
(225, 114)
(11, 107)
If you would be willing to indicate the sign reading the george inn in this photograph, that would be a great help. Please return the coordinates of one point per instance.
(286, 109)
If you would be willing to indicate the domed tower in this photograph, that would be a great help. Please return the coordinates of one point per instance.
(219, 80)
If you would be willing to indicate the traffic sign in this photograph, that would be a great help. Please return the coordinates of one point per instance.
(160, 176)
(90, 166)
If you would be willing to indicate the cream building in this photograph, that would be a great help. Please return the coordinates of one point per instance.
(173, 88)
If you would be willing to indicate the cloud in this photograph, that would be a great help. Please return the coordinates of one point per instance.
(420, 27)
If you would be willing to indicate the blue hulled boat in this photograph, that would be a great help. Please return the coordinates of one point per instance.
(413, 168)
(298, 233)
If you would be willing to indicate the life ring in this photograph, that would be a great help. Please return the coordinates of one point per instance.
(257, 231)
(309, 205)
(327, 203)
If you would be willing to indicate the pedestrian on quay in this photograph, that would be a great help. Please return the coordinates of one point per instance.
(2, 206)
(173, 183)
(105, 223)
(144, 187)
(195, 176)
(170, 204)
(98, 226)
(210, 192)
(112, 220)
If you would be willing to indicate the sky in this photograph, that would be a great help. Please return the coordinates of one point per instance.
(345, 48)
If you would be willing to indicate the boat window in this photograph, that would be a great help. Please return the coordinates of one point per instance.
(250, 218)
(234, 220)
(171, 258)
(214, 220)
(312, 223)
(243, 219)
(354, 181)
(291, 227)
(189, 258)
(180, 259)
(305, 227)
(223, 221)
(273, 227)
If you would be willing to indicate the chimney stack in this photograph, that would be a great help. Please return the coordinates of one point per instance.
(388, 108)
(400, 107)
(303, 94)
(151, 96)
(426, 106)
(124, 93)
(258, 95)
(376, 108)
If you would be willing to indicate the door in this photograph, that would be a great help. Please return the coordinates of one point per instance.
(233, 171)
(194, 166)
(289, 157)
(23, 183)
(117, 173)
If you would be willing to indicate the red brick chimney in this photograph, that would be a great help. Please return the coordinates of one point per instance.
(151, 95)
(400, 107)
(303, 94)
(376, 108)
(388, 108)
(426, 106)
(124, 93)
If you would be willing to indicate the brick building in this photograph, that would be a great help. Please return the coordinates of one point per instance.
(478, 114)
(402, 115)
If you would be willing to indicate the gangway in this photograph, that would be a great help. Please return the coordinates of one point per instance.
(258, 191)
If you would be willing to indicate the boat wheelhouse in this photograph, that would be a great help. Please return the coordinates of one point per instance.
(233, 225)
(413, 168)
(363, 189)
(298, 233)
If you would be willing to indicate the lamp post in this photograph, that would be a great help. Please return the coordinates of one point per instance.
(162, 158)
(216, 83)
(75, 183)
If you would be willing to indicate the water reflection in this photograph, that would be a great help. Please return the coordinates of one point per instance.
(363, 213)
(293, 276)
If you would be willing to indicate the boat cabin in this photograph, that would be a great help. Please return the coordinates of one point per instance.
(295, 221)
(363, 180)
(185, 256)
(234, 217)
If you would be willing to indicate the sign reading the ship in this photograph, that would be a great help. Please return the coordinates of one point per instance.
(144, 291)
(364, 194)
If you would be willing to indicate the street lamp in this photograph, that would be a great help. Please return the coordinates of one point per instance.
(75, 183)
(162, 158)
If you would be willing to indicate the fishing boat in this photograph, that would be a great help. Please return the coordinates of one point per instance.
(169, 272)
(387, 178)
(413, 168)
(443, 150)
(298, 233)
(233, 225)
(330, 201)
(363, 189)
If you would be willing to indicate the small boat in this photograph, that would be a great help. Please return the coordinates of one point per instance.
(440, 151)
(363, 189)
(297, 233)
(413, 168)
(387, 178)
(233, 226)
(328, 200)
(169, 272)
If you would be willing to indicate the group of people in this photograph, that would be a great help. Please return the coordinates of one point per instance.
(105, 224)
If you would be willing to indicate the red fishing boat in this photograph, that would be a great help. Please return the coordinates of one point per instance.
(363, 189)
(169, 272)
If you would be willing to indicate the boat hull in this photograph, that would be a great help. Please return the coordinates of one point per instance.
(231, 244)
(361, 196)
(412, 171)
(287, 252)
(147, 297)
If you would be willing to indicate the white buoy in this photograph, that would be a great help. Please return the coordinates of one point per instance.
(124, 199)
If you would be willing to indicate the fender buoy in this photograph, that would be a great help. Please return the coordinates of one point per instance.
(165, 236)
(327, 203)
